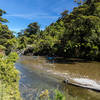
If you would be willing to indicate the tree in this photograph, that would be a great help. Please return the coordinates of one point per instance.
(79, 2)
(2, 19)
(65, 13)
(20, 33)
(5, 33)
(75, 34)
(33, 28)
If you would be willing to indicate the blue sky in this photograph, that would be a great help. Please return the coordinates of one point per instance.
(20, 13)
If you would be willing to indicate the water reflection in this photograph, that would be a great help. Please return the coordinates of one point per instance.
(40, 73)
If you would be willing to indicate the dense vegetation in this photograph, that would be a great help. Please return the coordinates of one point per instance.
(75, 34)
(7, 39)
(9, 76)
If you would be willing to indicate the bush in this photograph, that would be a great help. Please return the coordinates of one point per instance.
(9, 77)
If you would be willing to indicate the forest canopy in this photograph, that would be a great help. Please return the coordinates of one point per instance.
(75, 34)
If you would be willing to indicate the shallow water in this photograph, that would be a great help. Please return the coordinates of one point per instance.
(33, 81)
(39, 73)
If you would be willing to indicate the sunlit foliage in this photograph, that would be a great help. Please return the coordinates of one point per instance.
(75, 34)
(9, 78)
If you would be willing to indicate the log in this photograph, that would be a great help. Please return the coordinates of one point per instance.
(82, 86)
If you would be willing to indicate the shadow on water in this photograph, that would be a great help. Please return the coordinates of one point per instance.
(61, 60)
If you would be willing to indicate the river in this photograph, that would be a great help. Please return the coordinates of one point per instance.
(40, 73)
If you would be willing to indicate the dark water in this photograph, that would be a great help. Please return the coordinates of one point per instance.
(40, 73)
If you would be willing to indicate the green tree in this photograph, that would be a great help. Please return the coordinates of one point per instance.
(2, 19)
(5, 33)
(75, 34)
(33, 28)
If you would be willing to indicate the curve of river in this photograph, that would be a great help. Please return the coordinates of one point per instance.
(40, 73)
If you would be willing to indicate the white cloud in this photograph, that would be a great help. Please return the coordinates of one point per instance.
(32, 16)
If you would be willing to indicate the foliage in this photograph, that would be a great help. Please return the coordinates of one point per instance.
(2, 19)
(2, 47)
(9, 77)
(75, 34)
(32, 28)
(7, 38)
(8, 92)
(11, 45)
(50, 95)
(59, 95)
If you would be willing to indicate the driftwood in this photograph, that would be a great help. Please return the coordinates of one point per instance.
(82, 86)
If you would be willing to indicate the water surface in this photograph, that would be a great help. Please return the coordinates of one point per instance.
(39, 73)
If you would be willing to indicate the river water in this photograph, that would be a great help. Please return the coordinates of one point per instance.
(40, 73)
